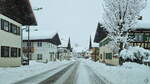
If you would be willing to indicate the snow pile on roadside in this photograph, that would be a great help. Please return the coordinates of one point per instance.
(11, 75)
(135, 53)
(147, 60)
(128, 73)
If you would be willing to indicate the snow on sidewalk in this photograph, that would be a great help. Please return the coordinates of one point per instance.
(129, 73)
(11, 75)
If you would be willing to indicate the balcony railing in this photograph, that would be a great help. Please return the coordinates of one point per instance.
(145, 45)
(30, 49)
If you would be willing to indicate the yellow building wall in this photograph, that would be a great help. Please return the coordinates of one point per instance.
(102, 57)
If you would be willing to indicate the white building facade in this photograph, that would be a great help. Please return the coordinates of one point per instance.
(65, 50)
(10, 42)
(64, 53)
(42, 49)
(13, 15)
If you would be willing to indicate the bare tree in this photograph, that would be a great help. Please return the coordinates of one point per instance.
(120, 16)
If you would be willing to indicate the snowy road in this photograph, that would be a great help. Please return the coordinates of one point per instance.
(85, 75)
(95, 78)
(75, 73)
(47, 77)
(70, 76)
(81, 73)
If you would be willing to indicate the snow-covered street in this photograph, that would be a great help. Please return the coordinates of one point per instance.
(85, 75)
(72, 73)
(67, 72)
(13, 75)
(74, 42)
(81, 71)
(89, 72)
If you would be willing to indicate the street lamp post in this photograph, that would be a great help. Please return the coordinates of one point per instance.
(28, 51)
(22, 43)
(28, 42)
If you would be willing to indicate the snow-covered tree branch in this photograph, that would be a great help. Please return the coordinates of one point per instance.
(120, 16)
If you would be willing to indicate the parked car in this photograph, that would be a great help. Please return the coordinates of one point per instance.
(25, 61)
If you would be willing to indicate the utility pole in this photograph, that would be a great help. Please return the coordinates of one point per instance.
(29, 44)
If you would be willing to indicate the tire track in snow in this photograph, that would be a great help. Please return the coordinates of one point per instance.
(37, 78)
(95, 78)
(69, 76)
(82, 76)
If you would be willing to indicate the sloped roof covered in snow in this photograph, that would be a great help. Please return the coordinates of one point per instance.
(101, 33)
(53, 38)
(37, 35)
(64, 43)
(95, 45)
(140, 25)
(18, 10)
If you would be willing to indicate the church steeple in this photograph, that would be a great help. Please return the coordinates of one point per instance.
(90, 44)
(69, 45)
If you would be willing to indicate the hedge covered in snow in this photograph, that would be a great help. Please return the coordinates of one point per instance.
(135, 53)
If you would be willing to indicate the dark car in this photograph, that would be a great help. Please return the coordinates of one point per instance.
(25, 61)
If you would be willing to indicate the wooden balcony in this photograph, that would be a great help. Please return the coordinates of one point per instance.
(145, 45)
(30, 49)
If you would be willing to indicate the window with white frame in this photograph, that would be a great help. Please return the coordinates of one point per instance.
(18, 31)
(139, 37)
(5, 25)
(30, 44)
(39, 44)
(39, 56)
(13, 28)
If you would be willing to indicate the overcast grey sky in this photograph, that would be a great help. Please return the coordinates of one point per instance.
(72, 18)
